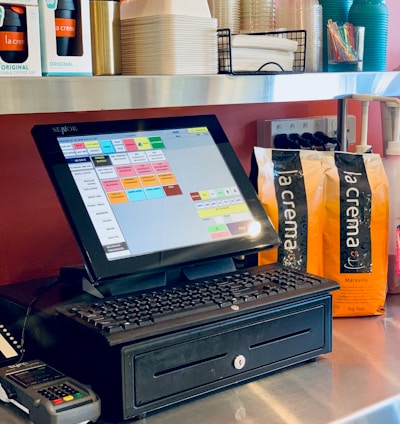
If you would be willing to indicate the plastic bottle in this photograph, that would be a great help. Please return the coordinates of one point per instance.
(13, 39)
(65, 23)
(338, 11)
(392, 167)
(374, 16)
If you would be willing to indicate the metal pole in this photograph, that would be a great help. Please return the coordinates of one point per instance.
(342, 124)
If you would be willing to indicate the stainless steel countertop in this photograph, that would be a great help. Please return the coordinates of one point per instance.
(357, 383)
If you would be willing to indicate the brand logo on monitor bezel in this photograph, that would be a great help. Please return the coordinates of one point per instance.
(65, 129)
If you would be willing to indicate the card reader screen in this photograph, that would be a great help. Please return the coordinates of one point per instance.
(37, 375)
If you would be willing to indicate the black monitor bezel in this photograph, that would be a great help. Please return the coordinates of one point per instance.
(98, 266)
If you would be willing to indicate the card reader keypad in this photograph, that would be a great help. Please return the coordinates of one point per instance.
(60, 393)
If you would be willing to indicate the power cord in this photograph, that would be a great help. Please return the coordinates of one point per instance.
(38, 293)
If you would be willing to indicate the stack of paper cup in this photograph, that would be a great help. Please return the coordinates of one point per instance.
(168, 37)
(227, 13)
(304, 15)
(257, 16)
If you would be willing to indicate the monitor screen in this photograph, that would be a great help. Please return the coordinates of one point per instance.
(149, 194)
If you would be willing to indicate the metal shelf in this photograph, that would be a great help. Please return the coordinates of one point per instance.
(71, 94)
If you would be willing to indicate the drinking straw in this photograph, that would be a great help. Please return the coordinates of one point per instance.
(342, 41)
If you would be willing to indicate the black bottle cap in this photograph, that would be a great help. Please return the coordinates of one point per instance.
(12, 17)
(66, 4)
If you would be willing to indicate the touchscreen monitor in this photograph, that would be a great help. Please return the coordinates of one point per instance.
(146, 195)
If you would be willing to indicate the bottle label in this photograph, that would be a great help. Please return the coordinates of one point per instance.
(12, 41)
(398, 251)
(65, 27)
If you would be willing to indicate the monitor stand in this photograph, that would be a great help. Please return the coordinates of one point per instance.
(132, 283)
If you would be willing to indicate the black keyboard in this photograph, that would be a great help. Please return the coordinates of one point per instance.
(258, 287)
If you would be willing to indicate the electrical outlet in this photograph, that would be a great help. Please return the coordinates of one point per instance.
(268, 129)
(331, 128)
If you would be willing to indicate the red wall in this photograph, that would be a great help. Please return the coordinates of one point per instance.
(35, 240)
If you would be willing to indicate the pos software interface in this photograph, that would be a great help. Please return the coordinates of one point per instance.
(147, 195)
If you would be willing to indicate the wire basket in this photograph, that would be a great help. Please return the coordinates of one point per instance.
(225, 53)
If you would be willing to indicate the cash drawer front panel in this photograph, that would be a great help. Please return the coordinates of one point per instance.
(167, 371)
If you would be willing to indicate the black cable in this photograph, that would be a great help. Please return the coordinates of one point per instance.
(38, 293)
